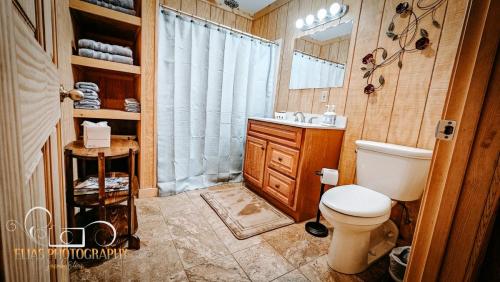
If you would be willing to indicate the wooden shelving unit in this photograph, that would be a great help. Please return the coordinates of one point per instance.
(104, 13)
(116, 81)
(106, 114)
(105, 65)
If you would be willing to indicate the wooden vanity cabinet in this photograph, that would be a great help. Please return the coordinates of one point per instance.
(281, 161)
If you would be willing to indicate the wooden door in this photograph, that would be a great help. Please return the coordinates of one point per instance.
(255, 158)
(32, 135)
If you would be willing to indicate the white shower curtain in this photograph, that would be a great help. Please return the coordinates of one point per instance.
(210, 80)
(311, 72)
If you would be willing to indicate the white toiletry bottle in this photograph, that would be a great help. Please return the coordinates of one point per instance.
(329, 116)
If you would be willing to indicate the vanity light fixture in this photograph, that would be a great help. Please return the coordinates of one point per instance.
(323, 16)
(299, 24)
(310, 20)
(335, 9)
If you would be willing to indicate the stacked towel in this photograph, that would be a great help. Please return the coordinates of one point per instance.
(132, 105)
(124, 6)
(102, 51)
(90, 96)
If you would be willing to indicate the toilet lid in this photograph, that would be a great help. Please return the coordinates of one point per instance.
(357, 200)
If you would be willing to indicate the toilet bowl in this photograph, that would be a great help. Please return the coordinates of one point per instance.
(359, 214)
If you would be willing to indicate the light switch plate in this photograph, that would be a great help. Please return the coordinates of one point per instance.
(323, 98)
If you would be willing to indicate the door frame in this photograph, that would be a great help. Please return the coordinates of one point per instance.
(464, 104)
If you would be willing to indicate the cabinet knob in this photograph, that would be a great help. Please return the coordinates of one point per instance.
(280, 159)
(277, 185)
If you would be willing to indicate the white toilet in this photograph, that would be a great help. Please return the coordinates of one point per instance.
(362, 231)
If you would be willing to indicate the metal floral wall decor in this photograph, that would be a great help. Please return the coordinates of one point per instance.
(407, 39)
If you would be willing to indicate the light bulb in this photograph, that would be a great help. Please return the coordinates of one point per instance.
(299, 23)
(309, 19)
(334, 9)
(322, 14)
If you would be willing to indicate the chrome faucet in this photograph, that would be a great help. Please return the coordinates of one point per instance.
(299, 116)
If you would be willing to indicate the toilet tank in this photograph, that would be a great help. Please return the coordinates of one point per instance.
(398, 172)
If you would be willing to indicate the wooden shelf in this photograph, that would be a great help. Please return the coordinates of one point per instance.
(106, 13)
(105, 65)
(106, 114)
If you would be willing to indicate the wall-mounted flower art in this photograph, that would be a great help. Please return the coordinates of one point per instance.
(412, 38)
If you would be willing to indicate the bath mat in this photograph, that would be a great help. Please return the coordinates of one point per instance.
(245, 213)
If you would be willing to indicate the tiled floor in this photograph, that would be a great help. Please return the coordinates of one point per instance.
(183, 239)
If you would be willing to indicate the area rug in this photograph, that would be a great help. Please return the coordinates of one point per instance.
(245, 213)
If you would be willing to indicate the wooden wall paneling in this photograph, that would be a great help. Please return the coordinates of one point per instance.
(28, 8)
(366, 40)
(176, 4)
(281, 22)
(343, 51)
(256, 26)
(188, 6)
(147, 128)
(271, 25)
(229, 19)
(262, 32)
(203, 9)
(286, 59)
(339, 97)
(380, 103)
(448, 46)
(241, 24)
(413, 85)
(319, 107)
(216, 14)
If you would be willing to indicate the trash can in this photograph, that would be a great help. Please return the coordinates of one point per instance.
(398, 262)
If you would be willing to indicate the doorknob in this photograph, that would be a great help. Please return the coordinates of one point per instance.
(73, 94)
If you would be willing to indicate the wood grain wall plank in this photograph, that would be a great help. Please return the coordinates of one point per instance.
(188, 6)
(203, 9)
(229, 19)
(271, 25)
(366, 40)
(413, 86)
(448, 46)
(216, 14)
(380, 103)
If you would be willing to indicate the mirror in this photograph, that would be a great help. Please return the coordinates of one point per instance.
(319, 58)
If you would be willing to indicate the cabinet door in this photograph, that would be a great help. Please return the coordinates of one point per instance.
(255, 157)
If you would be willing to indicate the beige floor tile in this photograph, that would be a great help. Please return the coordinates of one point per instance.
(172, 205)
(296, 245)
(221, 269)
(293, 276)
(151, 232)
(110, 270)
(233, 244)
(157, 262)
(262, 263)
(194, 239)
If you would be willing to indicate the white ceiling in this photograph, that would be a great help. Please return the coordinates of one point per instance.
(333, 32)
(250, 6)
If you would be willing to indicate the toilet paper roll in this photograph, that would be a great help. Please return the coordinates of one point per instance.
(329, 176)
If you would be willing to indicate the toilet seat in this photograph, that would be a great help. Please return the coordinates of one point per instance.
(357, 201)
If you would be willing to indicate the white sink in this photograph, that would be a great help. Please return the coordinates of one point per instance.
(315, 122)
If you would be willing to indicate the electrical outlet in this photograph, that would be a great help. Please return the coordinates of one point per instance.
(323, 98)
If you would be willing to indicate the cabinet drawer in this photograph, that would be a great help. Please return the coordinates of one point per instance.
(282, 134)
(282, 159)
(280, 187)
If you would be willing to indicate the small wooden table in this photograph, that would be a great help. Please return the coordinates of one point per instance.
(120, 148)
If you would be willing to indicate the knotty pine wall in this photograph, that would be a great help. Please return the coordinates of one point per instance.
(209, 11)
(406, 109)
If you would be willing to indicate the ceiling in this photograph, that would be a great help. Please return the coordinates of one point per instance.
(250, 6)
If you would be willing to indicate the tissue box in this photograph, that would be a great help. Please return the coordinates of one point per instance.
(96, 135)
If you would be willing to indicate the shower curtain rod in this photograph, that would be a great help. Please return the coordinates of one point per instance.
(317, 58)
(219, 25)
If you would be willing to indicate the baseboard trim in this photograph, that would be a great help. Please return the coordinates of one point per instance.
(148, 192)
